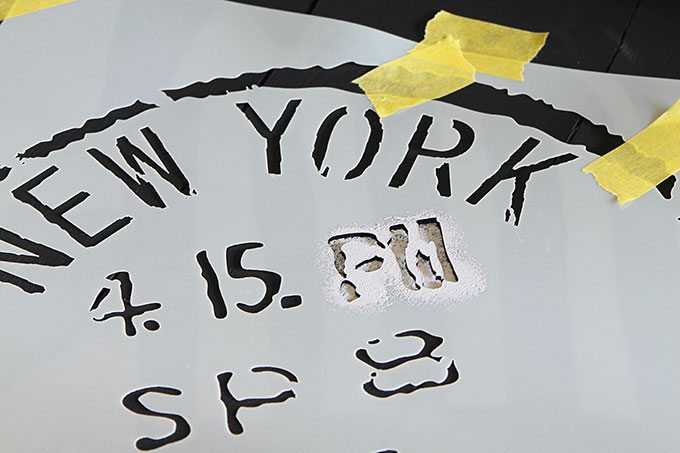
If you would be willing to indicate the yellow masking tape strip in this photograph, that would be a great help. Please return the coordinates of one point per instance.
(490, 48)
(446, 60)
(13, 8)
(423, 74)
(643, 161)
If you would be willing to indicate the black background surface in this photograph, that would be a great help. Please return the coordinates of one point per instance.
(639, 37)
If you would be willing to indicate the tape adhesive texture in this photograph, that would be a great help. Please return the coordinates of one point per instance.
(427, 73)
(492, 49)
(642, 162)
(13, 8)
(445, 61)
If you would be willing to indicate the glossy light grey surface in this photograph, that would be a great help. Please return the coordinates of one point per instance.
(571, 347)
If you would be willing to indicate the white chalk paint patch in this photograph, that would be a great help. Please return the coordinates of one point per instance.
(419, 260)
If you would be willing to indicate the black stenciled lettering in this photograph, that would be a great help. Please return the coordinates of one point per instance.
(430, 343)
(213, 285)
(129, 311)
(665, 187)
(25, 285)
(143, 189)
(521, 176)
(133, 156)
(56, 215)
(443, 180)
(234, 255)
(415, 148)
(273, 135)
(323, 136)
(42, 256)
(171, 173)
(563, 125)
(233, 405)
(273, 369)
(62, 139)
(182, 428)
(235, 269)
(372, 145)
(452, 376)
(291, 301)
(4, 172)
(218, 87)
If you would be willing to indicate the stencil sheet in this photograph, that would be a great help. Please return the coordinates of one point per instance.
(279, 270)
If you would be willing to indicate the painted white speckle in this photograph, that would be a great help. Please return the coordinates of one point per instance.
(379, 286)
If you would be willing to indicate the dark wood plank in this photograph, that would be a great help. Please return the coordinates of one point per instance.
(650, 45)
(584, 34)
